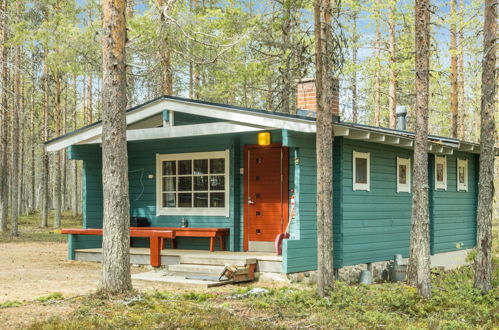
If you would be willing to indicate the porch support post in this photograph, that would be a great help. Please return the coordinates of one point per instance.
(71, 249)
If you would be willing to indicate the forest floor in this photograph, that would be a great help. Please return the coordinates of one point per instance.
(40, 289)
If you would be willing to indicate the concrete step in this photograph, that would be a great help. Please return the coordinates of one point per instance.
(217, 260)
(177, 281)
(209, 270)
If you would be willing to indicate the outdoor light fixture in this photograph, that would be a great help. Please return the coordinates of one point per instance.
(264, 138)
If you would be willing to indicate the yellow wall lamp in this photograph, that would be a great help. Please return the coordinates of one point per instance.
(264, 138)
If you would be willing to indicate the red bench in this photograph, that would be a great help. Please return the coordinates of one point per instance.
(212, 233)
(156, 238)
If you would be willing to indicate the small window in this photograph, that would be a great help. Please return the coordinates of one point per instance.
(403, 175)
(462, 174)
(193, 184)
(361, 179)
(441, 172)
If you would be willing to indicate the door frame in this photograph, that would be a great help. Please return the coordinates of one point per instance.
(285, 186)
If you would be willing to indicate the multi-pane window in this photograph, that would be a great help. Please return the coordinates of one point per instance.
(193, 184)
(403, 175)
(441, 172)
(361, 174)
(462, 174)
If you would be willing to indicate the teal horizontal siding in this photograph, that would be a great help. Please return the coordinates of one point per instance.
(300, 252)
(376, 223)
(452, 212)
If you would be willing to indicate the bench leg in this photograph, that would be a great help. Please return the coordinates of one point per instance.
(155, 251)
(212, 244)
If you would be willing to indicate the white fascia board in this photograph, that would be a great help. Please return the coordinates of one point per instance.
(240, 116)
(93, 133)
(340, 130)
(183, 131)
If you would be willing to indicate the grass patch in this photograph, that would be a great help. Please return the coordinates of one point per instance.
(30, 230)
(10, 303)
(455, 305)
(50, 297)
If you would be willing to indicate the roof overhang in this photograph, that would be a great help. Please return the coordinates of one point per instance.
(143, 120)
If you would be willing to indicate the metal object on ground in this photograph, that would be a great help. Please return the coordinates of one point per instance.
(397, 269)
(366, 277)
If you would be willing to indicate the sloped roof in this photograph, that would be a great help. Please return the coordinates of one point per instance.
(239, 119)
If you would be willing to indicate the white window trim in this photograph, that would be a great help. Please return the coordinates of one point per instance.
(441, 160)
(361, 186)
(188, 211)
(462, 186)
(407, 186)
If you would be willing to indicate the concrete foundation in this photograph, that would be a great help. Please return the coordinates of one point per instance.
(446, 260)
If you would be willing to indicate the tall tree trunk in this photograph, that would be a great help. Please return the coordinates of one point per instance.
(165, 54)
(64, 185)
(355, 50)
(324, 145)
(32, 202)
(483, 261)
(74, 204)
(14, 208)
(45, 156)
(377, 73)
(453, 70)
(116, 276)
(419, 259)
(89, 99)
(392, 87)
(285, 69)
(57, 169)
(4, 161)
(460, 70)
(129, 73)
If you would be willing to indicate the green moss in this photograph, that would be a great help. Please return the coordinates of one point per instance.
(455, 305)
(50, 297)
(10, 303)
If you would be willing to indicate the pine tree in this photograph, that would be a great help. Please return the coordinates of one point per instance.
(419, 259)
(483, 261)
(116, 278)
(4, 189)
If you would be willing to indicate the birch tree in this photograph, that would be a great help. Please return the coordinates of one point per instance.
(419, 259)
(116, 278)
(483, 261)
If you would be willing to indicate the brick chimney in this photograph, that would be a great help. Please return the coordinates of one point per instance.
(306, 102)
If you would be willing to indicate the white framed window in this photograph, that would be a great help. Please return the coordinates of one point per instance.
(462, 174)
(193, 184)
(441, 172)
(361, 171)
(403, 175)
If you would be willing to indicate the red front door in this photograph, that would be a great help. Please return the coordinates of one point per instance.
(265, 196)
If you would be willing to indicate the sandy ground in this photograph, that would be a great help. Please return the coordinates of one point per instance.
(31, 270)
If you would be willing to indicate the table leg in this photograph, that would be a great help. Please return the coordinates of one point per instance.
(155, 251)
(222, 243)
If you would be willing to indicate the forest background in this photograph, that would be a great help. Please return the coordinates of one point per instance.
(245, 53)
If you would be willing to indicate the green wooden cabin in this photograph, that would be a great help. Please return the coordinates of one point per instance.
(201, 163)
